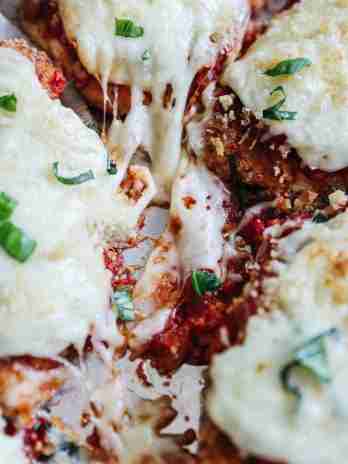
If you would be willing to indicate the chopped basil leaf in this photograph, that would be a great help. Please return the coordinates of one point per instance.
(70, 448)
(311, 356)
(146, 55)
(112, 167)
(274, 111)
(16, 242)
(288, 67)
(41, 426)
(203, 281)
(81, 179)
(7, 206)
(280, 89)
(276, 115)
(9, 103)
(123, 303)
(127, 28)
(320, 218)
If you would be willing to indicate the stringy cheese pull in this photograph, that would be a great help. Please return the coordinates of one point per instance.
(178, 39)
(194, 240)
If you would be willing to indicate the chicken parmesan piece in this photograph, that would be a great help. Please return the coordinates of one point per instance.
(239, 149)
(280, 128)
(257, 154)
(289, 371)
(56, 198)
(308, 67)
(53, 283)
(157, 60)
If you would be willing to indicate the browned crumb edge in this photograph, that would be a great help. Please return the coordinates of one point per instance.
(240, 149)
(216, 448)
(47, 32)
(49, 75)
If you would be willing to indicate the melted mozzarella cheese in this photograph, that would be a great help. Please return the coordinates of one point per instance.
(51, 300)
(163, 263)
(318, 251)
(317, 30)
(308, 297)
(122, 408)
(180, 37)
(198, 199)
(11, 450)
(195, 129)
(129, 209)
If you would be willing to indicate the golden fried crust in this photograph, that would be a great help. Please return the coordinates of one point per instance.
(216, 448)
(44, 27)
(238, 146)
(49, 75)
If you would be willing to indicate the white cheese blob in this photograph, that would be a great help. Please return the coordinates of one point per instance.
(130, 208)
(51, 300)
(317, 30)
(180, 37)
(248, 401)
(198, 200)
(11, 450)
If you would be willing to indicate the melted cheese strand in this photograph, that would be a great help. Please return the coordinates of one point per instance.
(178, 42)
(194, 240)
(197, 206)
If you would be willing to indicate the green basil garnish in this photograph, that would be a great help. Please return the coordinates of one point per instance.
(203, 281)
(9, 103)
(280, 89)
(81, 179)
(275, 113)
(311, 356)
(16, 242)
(70, 448)
(111, 167)
(13, 240)
(319, 218)
(7, 206)
(146, 55)
(288, 67)
(127, 28)
(123, 303)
